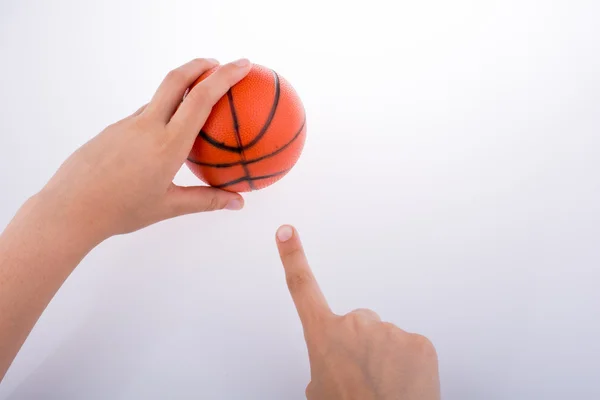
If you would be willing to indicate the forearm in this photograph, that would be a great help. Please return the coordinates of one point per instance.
(38, 250)
(118, 182)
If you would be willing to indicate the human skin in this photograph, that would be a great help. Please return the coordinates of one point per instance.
(356, 355)
(122, 181)
(118, 182)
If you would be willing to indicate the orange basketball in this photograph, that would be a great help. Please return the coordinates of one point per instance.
(253, 136)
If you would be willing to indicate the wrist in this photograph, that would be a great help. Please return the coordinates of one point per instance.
(45, 218)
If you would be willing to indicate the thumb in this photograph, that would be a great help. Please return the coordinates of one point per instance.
(194, 199)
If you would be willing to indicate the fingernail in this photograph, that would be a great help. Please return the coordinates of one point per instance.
(234, 204)
(284, 233)
(242, 62)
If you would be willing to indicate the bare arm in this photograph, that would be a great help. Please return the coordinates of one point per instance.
(118, 182)
(38, 251)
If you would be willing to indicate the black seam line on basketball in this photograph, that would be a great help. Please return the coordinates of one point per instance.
(219, 145)
(238, 149)
(254, 160)
(247, 179)
(263, 130)
(238, 137)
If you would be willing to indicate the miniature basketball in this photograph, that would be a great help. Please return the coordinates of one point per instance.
(253, 136)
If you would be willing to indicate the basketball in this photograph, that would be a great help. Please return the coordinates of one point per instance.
(253, 136)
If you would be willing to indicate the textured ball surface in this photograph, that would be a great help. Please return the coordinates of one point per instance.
(253, 136)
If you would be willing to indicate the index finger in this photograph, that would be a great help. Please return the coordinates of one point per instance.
(167, 97)
(197, 105)
(310, 302)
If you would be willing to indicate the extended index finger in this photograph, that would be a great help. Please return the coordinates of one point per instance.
(310, 302)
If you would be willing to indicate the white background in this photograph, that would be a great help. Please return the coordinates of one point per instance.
(450, 181)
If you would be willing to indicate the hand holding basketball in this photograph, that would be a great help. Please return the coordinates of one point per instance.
(122, 179)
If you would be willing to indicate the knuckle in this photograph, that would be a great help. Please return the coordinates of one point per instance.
(296, 281)
(213, 204)
(160, 144)
(353, 320)
(391, 332)
(365, 313)
(205, 64)
(290, 256)
(391, 329)
(423, 345)
(204, 96)
(200, 61)
(175, 76)
(143, 123)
